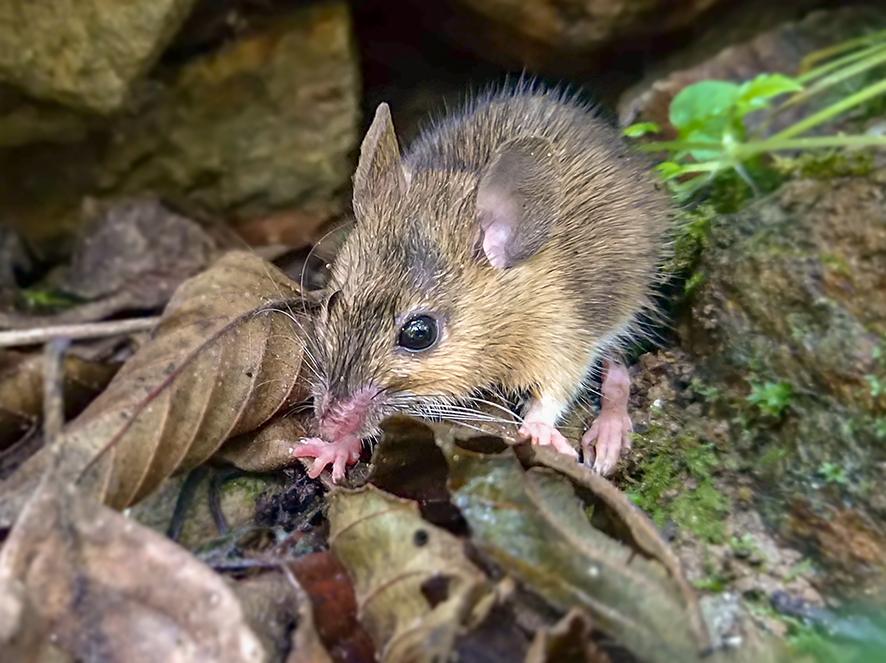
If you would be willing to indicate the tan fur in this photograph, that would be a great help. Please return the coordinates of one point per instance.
(539, 325)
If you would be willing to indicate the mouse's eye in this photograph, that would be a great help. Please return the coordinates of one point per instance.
(419, 333)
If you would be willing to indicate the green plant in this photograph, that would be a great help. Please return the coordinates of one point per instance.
(709, 116)
(772, 398)
(833, 473)
(744, 545)
(878, 386)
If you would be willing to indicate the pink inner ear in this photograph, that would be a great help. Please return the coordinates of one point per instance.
(496, 238)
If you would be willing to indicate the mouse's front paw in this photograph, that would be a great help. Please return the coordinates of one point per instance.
(338, 454)
(543, 434)
(612, 432)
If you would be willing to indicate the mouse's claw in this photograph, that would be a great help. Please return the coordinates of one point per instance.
(542, 434)
(338, 454)
(612, 432)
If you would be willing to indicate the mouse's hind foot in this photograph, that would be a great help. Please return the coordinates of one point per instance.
(610, 435)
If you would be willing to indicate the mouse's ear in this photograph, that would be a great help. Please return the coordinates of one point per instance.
(518, 200)
(379, 168)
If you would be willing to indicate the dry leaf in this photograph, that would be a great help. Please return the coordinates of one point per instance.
(132, 256)
(225, 358)
(531, 523)
(332, 608)
(21, 389)
(568, 641)
(80, 579)
(414, 585)
(633, 527)
(267, 449)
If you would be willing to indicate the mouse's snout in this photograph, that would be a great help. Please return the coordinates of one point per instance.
(339, 416)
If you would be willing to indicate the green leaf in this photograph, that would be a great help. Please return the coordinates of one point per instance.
(699, 102)
(641, 129)
(773, 398)
(670, 169)
(755, 94)
(712, 133)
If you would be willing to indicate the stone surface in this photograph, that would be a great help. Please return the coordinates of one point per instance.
(84, 54)
(775, 50)
(266, 123)
(540, 32)
(794, 291)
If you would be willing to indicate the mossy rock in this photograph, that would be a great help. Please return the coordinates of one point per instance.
(793, 292)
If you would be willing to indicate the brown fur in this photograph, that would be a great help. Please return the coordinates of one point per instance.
(538, 325)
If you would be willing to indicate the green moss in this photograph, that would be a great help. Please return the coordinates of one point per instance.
(836, 264)
(693, 227)
(677, 484)
(826, 165)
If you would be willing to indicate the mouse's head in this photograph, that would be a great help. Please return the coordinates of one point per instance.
(424, 287)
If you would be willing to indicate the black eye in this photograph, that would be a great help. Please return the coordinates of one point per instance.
(419, 333)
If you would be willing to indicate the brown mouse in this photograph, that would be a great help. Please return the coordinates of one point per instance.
(511, 248)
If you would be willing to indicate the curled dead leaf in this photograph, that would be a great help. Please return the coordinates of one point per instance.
(227, 355)
(532, 524)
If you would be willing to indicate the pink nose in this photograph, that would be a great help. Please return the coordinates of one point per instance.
(339, 417)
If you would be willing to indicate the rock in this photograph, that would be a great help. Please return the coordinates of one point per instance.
(539, 33)
(794, 292)
(265, 125)
(268, 122)
(24, 121)
(776, 50)
(85, 54)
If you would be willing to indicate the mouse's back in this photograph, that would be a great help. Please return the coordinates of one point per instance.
(608, 235)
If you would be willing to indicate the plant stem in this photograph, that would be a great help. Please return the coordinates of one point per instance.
(832, 111)
(825, 53)
(678, 145)
(775, 144)
(838, 63)
(874, 56)
(876, 59)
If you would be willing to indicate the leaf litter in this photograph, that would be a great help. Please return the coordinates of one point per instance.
(460, 544)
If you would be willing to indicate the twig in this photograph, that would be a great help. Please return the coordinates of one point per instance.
(18, 337)
(53, 389)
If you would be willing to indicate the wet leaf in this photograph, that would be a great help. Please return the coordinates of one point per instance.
(225, 358)
(414, 585)
(532, 524)
(81, 580)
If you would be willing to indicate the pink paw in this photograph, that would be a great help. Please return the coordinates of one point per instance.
(612, 431)
(338, 454)
(544, 435)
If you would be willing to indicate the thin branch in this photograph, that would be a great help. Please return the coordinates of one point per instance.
(19, 337)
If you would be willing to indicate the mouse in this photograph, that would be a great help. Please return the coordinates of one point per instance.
(513, 248)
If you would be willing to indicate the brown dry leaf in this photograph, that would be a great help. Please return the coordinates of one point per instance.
(329, 594)
(568, 641)
(81, 581)
(21, 390)
(225, 358)
(532, 524)
(278, 610)
(414, 585)
(267, 449)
